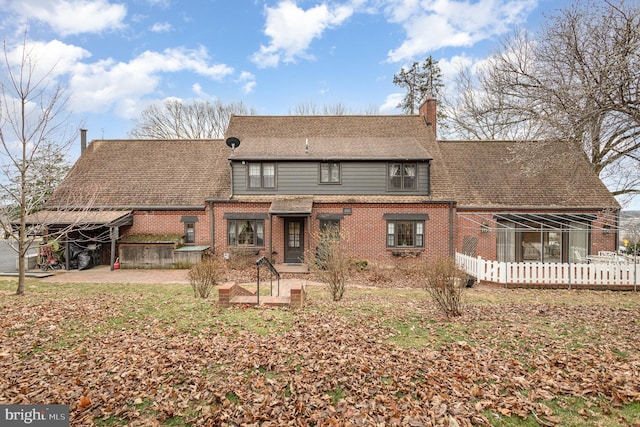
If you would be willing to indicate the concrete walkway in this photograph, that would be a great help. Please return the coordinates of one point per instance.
(103, 274)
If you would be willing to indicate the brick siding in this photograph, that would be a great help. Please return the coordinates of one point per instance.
(365, 229)
(168, 222)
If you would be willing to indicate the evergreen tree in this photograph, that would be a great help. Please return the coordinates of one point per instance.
(420, 81)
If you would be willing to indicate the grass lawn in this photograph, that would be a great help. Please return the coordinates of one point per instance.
(155, 355)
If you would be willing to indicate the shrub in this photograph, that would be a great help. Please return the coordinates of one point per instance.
(241, 260)
(330, 263)
(410, 268)
(206, 275)
(182, 265)
(359, 264)
(379, 274)
(445, 283)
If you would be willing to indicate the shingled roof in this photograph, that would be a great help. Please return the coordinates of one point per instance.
(331, 137)
(507, 174)
(125, 174)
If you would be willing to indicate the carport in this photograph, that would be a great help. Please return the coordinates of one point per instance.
(87, 229)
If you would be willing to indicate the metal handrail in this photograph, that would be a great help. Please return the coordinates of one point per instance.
(264, 261)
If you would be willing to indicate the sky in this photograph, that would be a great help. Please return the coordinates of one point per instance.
(117, 57)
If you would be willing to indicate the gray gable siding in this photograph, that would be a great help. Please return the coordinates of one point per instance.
(298, 178)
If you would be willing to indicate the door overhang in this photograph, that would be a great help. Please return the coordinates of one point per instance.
(291, 206)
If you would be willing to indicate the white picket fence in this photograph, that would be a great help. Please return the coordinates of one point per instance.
(550, 274)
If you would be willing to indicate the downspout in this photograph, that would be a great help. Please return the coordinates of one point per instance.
(230, 197)
(271, 238)
(231, 178)
(114, 232)
(67, 262)
(212, 228)
(308, 236)
(451, 228)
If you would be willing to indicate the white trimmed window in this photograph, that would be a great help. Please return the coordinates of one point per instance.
(405, 234)
(245, 232)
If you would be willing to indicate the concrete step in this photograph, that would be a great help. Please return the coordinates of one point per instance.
(292, 268)
(264, 300)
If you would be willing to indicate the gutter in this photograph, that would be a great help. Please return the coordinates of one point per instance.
(333, 159)
(130, 208)
(532, 208)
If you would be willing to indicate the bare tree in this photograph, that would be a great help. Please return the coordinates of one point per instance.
(33, 132)
(308, 108)
(476, 114)
(175, 119)
(371, 110)
(305, 108)
(577, 80)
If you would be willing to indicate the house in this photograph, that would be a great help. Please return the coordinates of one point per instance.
(154, 192)
(274, 182)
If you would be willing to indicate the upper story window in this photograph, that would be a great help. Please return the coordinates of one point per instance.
(402, 176)
(262, 175)
(330, 173)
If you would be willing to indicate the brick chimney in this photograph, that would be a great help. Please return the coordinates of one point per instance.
(428, 112)
(83, 140)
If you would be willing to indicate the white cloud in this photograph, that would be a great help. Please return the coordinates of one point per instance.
(391, 103)
(434, 24)
(160, 3)
(197, 89)
(292, 29)
(70, 17)
(107, 84)
(248, 81)
(50, 59)
(180, 59)
(428, 24)
(161, 27)
(248, 87)
(451, 66)
(245, 75)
